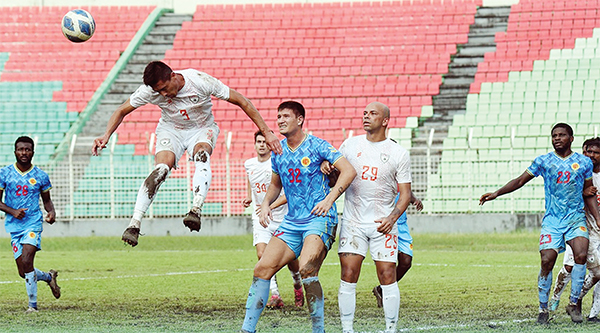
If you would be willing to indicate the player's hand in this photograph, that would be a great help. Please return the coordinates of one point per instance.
(50, 217)
(99, 144)
(273, 142)
(386, 225)
(246, 202)
(590, 191)
(418, 204)
(487, 197)
(326, 167)
(19, 213)
(264, 216)
(321, 209)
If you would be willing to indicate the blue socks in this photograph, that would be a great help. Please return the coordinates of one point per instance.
(544, 285)
(577, 277)
(316, 303)
(42, 276)
(31, 286)
(257, 299)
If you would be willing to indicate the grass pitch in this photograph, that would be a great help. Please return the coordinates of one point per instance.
(458, 283)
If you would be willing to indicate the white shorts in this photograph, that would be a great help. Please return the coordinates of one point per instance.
(356, 238)
(593, 256)
(178, 141)
(262, 234)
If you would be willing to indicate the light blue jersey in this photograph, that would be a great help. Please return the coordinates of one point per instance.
(301, 177)
(563, 186)
(22, 190)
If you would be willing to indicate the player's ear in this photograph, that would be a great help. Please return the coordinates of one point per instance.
(385, 122)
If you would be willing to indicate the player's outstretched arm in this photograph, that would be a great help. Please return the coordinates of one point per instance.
(245, 104)
(49, 207)
(265, 216)
(347, 174)
(16, 213)
(511, 186)
(113, 123)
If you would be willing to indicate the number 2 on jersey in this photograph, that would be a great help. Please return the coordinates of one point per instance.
(373, 171)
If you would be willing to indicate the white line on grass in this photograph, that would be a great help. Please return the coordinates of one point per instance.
(248, 269)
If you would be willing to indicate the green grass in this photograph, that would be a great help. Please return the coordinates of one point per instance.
(466, 283)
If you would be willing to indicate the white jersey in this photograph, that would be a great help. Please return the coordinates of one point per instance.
(380, 167)
(259, 176)
(192, 107)
(592, 226)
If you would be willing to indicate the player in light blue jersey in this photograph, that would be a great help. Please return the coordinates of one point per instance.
(23, 184)
(308, 229)
(566, 174)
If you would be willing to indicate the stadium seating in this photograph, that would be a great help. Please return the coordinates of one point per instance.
(331, 57)
(45, 79)
(509, 123)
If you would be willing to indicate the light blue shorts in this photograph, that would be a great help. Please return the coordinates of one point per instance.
(29, 236)
(555, 238)
(405, 240)
(294, 234)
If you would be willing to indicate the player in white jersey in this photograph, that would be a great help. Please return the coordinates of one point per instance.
(370, 213)
(591, 149)
(259, 173)
(186, 123)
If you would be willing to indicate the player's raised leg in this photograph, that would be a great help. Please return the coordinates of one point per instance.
(164, 163)
(201, 180)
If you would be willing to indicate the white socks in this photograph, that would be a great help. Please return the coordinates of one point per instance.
(347, 304)
(201, 179)
(273, 286)
(391, 306)
(148, 191)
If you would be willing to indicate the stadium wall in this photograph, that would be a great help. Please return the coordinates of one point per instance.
(241, 225)
(188, 6)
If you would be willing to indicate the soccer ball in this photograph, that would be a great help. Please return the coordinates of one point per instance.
(78, 25)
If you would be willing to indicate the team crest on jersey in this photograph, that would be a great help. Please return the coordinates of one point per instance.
(342, 241)
(195, 99)
(31, 234)
(32, 181)
(165, 142)
(575, 166)
(582, 228)
(305, 161)
(384, 157)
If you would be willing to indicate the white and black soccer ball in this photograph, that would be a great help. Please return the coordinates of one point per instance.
(78, 25)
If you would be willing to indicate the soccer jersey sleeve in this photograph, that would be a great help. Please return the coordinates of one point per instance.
(141, 97)
(588, 169)
(535, 169)
(45, 184)
(403, 175)
(2, 179)
(329, 152)
(210, 85)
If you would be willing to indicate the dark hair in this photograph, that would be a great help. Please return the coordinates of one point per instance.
(256, 134)
(565, 126)
(156, 71)
(591, 142)
(25, 139)
(294, 106)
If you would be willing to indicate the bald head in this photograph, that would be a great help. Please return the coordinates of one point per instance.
(379, 107)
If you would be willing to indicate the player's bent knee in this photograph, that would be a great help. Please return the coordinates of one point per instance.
(201, 156)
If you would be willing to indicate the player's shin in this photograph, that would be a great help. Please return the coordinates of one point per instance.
(562, 280)
(577, 276)
(544, 285)
(147, 193)
(347, 304)
(391, 306)
(31, 287)
(316, 303)
(201, 180)
(257, 298)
